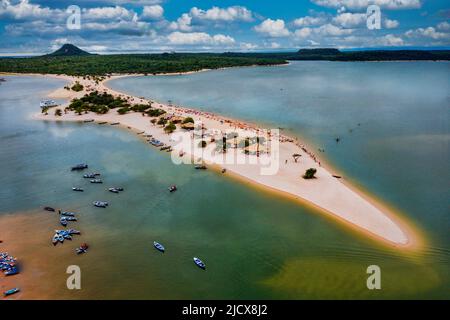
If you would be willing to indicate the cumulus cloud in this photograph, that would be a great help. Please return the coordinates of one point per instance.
(153, 12)
(273, 28)
(444, 26)
(308, 21)
(391, 40)
(429, 32)
(350, 20)
(390, 24)
(193, 38)
(363, 4)
(235, 13)
(183, 23)
(23, 10)
(108, 13)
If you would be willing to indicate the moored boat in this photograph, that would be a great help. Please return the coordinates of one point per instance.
(11, 291)
(80, 166)
(199, 263)
(100, 204)
(173, 188)
(158, 246)
(49, 209)
(77, 189)
(96, 181)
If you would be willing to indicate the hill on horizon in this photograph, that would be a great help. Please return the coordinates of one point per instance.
(68, 50)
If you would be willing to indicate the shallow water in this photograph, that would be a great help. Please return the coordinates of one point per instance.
(255, 245)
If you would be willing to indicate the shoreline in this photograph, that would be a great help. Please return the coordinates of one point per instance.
(400, 233)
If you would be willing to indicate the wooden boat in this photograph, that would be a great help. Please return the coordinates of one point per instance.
(158, 246)
(11, 291)
(199, 263)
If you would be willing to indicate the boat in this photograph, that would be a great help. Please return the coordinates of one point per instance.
(96, 181)
(11, 291)
(67, 213)
(200, 167)
(119, 188)
(336, 176)
(113, 190)
(77, 189)
(11, 271)
(47, 104)
(100, 204)
(80, 166)
(82, 248)
(224, 170)
(72, 231)
(103, 122)
(63, 223)
(55, 240)
(49, 209)
(91, 175)
(88, 120)
(158, 246)
(173, 188)
(199, 263)
(115, 123)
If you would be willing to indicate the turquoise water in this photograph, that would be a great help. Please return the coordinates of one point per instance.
(255, 245)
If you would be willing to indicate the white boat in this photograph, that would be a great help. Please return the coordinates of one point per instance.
(47, 104)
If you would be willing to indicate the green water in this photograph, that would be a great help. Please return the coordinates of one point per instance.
(256, 246)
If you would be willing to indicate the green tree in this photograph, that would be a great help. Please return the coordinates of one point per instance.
(309, 174)
(171, 127)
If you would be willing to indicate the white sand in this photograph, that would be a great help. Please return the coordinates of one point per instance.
(335, 197)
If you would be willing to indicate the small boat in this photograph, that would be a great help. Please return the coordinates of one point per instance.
(96, 181)
(113, 190)
(103, 122)
(11, 271)
(49, 209)
(61, 239)
(67, 213)
(119, 188)
(199, 263)
(337, 177)
(63, 223)
(173, 188)
(100, 204)
(11, 291)
(80, 166)
(200, 167)
(158, 246)
(115, 123)
(55, 240)
(77, 189)
(47, 104)
(91, 175)
(88, 120)
(73, 231)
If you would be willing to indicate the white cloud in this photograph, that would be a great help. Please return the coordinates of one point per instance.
(183, 23)
(332, 30)
(350, 20)
(444, 26)
(429, 32)
(390, 24)
(153, 12)
(235, 13)
(107, 13)
(308, 21)
(303, 32)
(391, 40)
(193, 38)
(363, 4)
(273, 28)
(24, 10)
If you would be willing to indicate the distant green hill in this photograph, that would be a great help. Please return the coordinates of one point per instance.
(68, 50)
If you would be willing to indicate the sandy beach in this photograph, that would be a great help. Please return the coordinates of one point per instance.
(332, 195)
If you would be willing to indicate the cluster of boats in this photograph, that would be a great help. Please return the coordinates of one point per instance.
(66, 217)
(61, 235)
(199, 263)
(8, 264)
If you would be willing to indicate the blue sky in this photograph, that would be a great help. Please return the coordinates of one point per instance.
(108, 26)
